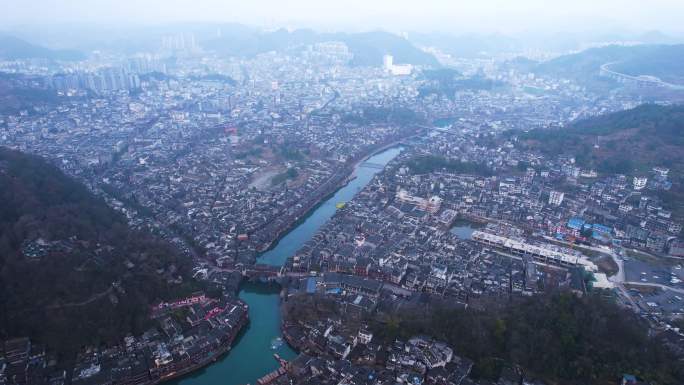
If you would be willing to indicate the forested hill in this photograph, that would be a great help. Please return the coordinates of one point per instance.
(629, 142)
(558, 337)
(68, 262)
(662, 61)
(21, 92)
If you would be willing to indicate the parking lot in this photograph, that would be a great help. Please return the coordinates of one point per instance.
(660, 273)
(659, 301)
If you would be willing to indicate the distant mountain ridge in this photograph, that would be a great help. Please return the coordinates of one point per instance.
(368, 48)
(487, 45)
(663, 61)
(234, 39)
(13, 48)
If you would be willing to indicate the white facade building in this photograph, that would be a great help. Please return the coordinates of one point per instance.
(556, 198)
(396, 69)
(639, 182)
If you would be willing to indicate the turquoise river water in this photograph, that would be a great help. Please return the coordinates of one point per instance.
(252, 353)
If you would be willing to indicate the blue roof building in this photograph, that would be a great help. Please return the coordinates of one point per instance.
(576, 223)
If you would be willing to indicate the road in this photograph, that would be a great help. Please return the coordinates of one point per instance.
(87, 301)
(620, 275)
(652, 80)
(625, 294)
(663, 287)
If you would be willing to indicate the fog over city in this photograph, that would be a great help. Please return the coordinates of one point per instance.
(505, 16)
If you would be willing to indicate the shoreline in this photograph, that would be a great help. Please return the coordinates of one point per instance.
(340, 179)
(214, 356)
(307, 210)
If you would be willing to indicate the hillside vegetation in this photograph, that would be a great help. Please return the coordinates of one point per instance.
(446, 81)
(21, 92)
(426, 164)
(68, 262)
(559, 337)
(663, 61)
(629, 142)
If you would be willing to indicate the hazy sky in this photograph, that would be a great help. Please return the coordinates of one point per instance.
(428, 15)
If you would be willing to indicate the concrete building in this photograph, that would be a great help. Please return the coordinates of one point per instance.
(522, 249)
(556, 198)
(396, 69)
(639, 182)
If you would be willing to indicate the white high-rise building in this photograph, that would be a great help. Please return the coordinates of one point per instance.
(388, 62)
(556, 198)
(639, 182)
(395, 69)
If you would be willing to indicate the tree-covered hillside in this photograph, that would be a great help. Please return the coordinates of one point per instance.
(629, 142)
(560, 337)
(662, 61)
(71, 271)
(23, 92)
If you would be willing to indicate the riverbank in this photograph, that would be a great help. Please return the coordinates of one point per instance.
(307, 226)
(250, 359)
(211, 356)
(302, 214)
(340, 179)
(250, 356)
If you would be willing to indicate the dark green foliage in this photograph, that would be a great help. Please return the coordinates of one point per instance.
(291, 173)
(522, 166)
(216, 78)
(446, 83)
(290, 152)
(673, 200)
(98, 284)
(520, 64)
(629, 142)
(400, 116)
(155, 75)
(560, 337)
(22, 92)
(441, 74)
(665, 122)
(254, 151)
(430, 163)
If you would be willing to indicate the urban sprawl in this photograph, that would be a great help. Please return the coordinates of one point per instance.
(221, 157)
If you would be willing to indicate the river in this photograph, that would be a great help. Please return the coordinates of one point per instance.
(252, 353)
